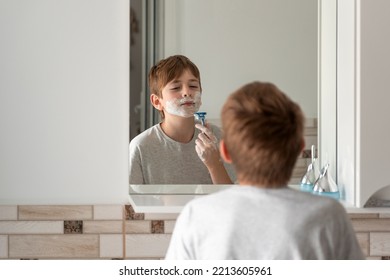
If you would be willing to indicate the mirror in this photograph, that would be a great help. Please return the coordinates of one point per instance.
(232, 42)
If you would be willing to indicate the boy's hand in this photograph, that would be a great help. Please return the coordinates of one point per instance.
(207, 146)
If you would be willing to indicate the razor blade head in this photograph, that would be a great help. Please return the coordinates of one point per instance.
(201, 116)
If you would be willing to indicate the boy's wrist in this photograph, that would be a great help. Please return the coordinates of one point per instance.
(216, 165)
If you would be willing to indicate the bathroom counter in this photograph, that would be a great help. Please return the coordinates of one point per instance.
(167, 198)
(172, 198)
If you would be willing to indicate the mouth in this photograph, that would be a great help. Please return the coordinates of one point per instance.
(188, 103)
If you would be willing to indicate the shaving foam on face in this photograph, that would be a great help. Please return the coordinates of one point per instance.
(179, 108)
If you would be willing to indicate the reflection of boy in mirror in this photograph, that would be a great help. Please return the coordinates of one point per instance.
(173, 151)
(261, 218)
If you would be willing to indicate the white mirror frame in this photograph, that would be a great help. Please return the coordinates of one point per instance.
(327, 118)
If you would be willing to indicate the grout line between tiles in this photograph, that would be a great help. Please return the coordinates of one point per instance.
(369, 245)
(99, 255)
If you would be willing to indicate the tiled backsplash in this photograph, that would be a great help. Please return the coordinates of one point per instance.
(82, 232)
(116, 232)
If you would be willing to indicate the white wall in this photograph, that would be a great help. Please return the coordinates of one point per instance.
(374, 98)
(363, 115)
(234, 42)
(64, 91)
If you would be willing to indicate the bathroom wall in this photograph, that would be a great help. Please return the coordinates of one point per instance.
(235, 42)
(64, 101)
(374, 97)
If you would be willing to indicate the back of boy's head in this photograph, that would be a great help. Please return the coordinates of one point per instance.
(168, 69)
(263, 132)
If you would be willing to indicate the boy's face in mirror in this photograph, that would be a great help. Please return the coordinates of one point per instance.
(182, 96)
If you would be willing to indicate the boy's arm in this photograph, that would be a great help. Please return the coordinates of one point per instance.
(208, 152)
(219, 174)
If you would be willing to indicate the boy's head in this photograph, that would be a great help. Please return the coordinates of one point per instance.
(169, 69)
(262, 134)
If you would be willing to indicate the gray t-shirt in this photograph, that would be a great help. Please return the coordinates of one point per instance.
(154, 158)
(249, 223)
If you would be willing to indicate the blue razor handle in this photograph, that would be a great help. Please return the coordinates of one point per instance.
(201, 116)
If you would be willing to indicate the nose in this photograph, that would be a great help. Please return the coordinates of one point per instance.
(187, 92)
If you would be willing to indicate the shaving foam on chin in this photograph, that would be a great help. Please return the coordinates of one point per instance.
(176, 107)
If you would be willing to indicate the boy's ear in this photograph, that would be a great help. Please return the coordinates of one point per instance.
(155, 100)
(224, 152)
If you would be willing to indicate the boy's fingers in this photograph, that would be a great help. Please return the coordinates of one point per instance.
(204, 138)
(207, 132)
(200, 144)
(202, 128)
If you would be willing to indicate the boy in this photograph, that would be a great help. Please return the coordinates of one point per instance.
(261, 218)
(173, 151)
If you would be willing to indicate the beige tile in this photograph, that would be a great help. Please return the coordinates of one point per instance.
(102, 227)
(108, 212)
(294, 181)
(8, 212)
(298, 172)
(384, 215)
(111, 246)
(364, 242)
(31, 227)
(368, 225)
(363, 215)
(311, 131)
(147, 245)
(311, 122)
(137, 226)
(302, 163)
(55, 212)
(54, 246)
(169, 226)
(3, 246)
(309, 141)
(161, 216)
(380, 244)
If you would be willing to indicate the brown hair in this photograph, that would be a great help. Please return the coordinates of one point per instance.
(169, 69)
(263, 132)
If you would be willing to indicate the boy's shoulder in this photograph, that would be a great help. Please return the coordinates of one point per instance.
(145, 136)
